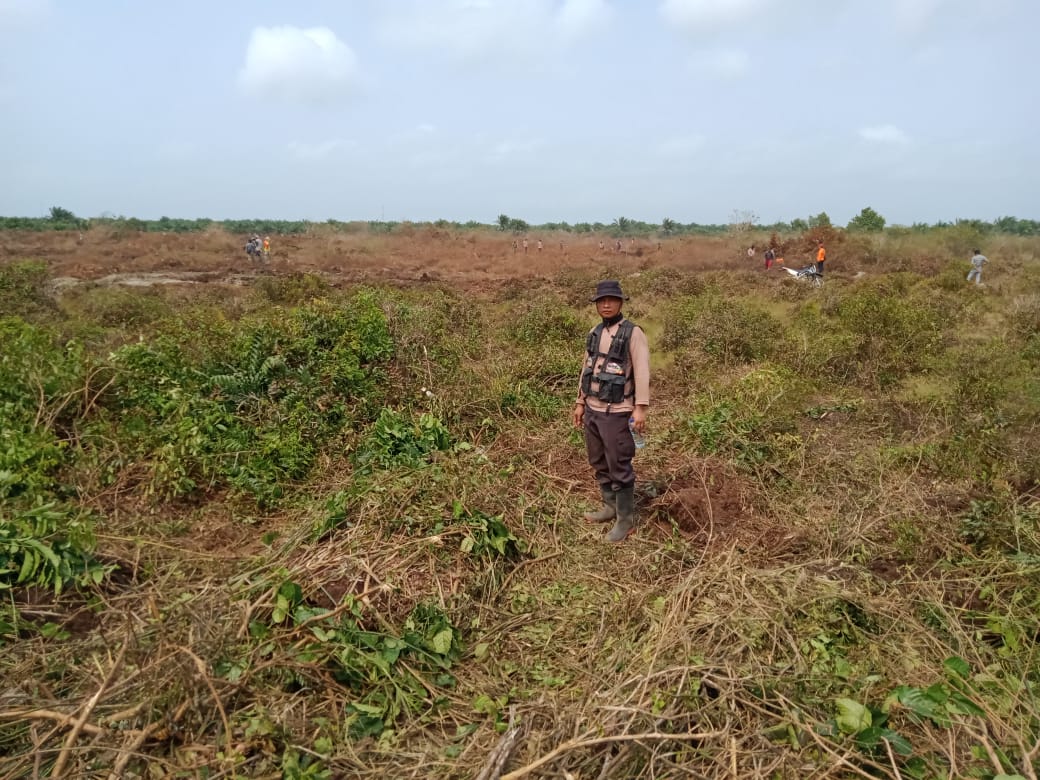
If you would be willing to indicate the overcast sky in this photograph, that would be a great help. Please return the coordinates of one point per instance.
(547, 110)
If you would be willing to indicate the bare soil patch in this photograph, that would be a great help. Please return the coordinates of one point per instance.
(713, 505)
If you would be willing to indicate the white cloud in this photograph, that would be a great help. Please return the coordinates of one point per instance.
(884, 134)
(704, 16)
(481, 30)
(305, 65)
(320, 151)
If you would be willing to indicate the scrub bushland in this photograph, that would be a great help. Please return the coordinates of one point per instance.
(299, 531)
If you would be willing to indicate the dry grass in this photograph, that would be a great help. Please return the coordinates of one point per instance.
(713, 644)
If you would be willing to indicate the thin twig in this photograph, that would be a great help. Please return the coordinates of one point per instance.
(200, 665)
(500, 755)
(892, 759)
(578, 744)
(70, 740)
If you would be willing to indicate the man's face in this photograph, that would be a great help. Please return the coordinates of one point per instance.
(608, 307)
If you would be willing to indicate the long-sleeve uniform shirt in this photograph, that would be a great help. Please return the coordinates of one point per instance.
(637, 372)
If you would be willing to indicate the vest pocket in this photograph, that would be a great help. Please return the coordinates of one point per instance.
(611, 388)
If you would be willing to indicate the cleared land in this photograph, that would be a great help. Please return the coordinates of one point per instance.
(284, 559)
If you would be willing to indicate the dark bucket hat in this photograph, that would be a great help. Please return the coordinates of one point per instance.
(611, 288)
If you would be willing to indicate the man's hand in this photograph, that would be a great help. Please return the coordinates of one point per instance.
(578, 415)
(639, 419)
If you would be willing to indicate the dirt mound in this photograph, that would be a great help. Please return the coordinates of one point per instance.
(711, 503)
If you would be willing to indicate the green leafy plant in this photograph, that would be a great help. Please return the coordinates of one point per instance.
(397, 439)
(486, 536)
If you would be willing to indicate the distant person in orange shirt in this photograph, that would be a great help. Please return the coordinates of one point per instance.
(821, 256)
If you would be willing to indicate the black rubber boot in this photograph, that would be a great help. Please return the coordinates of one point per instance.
(608, 511)
(625, 525)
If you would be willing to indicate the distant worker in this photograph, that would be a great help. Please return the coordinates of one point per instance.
(617, 246)
(525, 246)
(539, 245)
(253, 247)
(751, 252)
(602, 246)
(770, 256)
(267, 247)
(514, 246)
(977, 261)
(821, 256)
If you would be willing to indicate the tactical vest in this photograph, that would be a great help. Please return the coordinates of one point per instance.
(616, 358)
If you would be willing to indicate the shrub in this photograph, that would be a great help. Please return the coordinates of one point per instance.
(292, 289)
(544, 320)
(395, 439)
(728, 331)
(23, 289)
(897, 332)
(114, 307)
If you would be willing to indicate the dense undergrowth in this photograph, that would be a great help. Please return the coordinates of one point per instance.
(305, 532)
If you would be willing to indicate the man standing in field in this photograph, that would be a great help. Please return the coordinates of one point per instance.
(821, 257)
(977, 261)
(613, 392)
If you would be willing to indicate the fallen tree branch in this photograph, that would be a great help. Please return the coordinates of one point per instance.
(60, 717)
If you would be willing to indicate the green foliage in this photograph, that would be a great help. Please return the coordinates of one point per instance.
(728, 331)
(114, 307)
(396, 439)
(821, 220)
(47, 546)
(1004, 524)
(541, 321)
(964, 704)
(898, 330)
(486, 536)
(293, 289)
(39, 382)
(722, 430)
(256, 419)
(23, 289)
(389, 674)
(867, 221)
(507, 223)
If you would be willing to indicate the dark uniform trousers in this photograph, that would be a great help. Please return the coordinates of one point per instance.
(609, 444)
